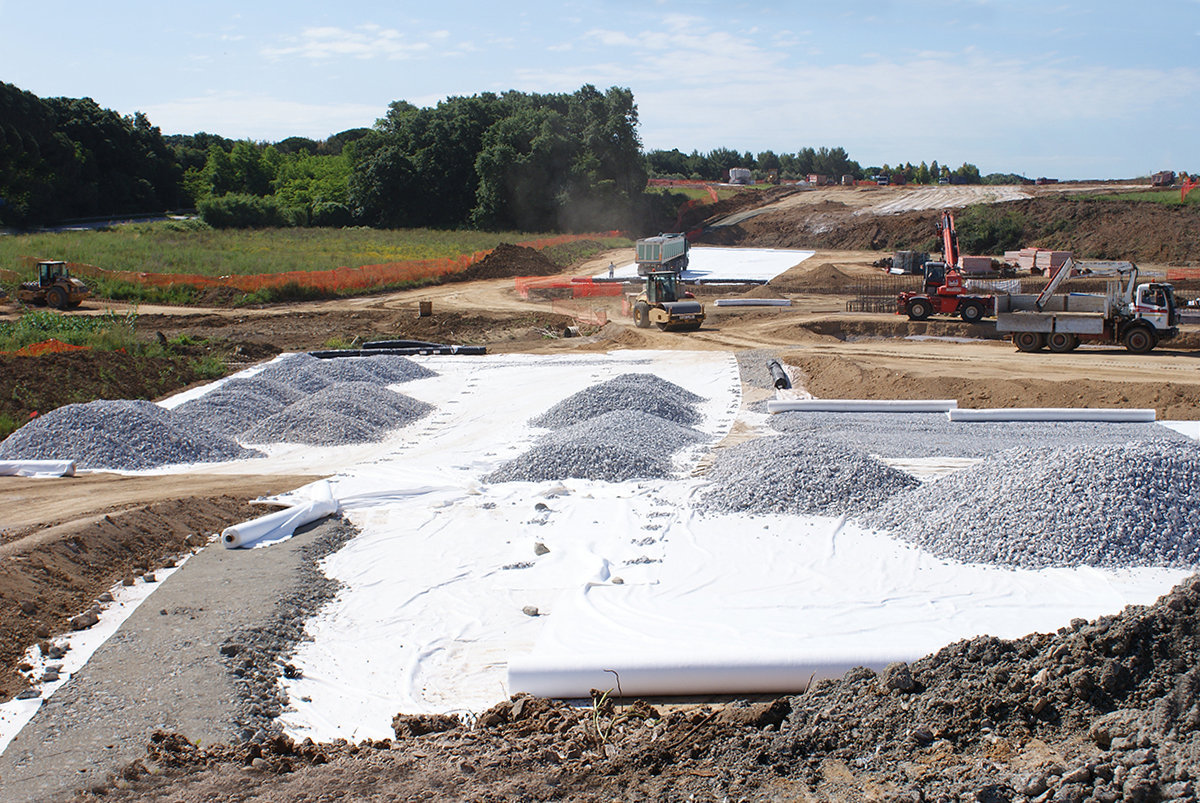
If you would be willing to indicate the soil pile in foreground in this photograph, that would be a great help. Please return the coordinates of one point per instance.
(1098, 711)
(507, 261)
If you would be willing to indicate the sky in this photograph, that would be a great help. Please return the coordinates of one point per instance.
(1069, 90)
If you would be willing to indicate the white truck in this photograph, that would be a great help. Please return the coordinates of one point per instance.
(1138, 316)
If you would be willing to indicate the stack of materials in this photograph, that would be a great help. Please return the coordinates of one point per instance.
(1042, 259)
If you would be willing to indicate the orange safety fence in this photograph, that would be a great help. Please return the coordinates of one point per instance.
(1187, 187)
(45, 347)
(366, 276)
(1177, 274)
(560, 287)
(582, 314)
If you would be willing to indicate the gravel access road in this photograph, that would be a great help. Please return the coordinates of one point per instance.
(162, 669)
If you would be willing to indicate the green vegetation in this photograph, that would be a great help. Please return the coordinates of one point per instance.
(202, 250)
(985, 229)
(115, 366)
(108, 332)
(1169, 197)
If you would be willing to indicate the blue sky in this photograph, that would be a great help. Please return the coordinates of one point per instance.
(1065, 89)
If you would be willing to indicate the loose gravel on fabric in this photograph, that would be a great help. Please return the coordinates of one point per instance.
(614, 447)
(121, 435)
(1137, 504)
(645, 392)
(236, 406)
(798, 475)
(908, 435)
(341, 414)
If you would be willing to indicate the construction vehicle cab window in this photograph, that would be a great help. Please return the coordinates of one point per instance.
(54, 287)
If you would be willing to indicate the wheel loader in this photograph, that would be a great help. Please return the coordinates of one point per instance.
(54, 287)
(661, 304)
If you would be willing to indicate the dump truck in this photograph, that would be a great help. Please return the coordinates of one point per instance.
(54, 287)
(666, 252)
(1138, 316)
(662, 304)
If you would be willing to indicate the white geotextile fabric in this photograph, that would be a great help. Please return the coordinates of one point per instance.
(278, 526)
(707, 264)
(431, 618)
(37, 468)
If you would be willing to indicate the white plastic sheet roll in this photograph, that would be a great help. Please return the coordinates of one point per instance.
(674, 674)
(862, 405)
(282, 523)
(37, 468)
(1055, 414)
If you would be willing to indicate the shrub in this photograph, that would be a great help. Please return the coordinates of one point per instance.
(237, 211)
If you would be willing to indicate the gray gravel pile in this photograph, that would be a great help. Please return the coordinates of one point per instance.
(934, 435)
(300, 372)
(387, 369)
(1116, 506)
(390, 369)
(798, 475)
(120, 435)
(236, 405)
(341, 414)
(646, 393)
(613, 447)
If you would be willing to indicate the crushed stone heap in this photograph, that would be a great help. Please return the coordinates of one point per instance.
(119, 435)
(646, 393)
(614, 447)
(1137, 504)
(793, 474)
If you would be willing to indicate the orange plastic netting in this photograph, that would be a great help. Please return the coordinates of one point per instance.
(46, 347)
(389, 273)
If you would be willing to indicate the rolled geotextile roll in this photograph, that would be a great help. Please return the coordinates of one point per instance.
(862, 406)
(37, 468)
(674, 674)
(1054, 414)
(282, 523)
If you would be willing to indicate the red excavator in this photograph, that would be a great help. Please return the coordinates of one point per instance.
(944, 292)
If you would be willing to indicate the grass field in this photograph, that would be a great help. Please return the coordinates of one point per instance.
(190, 247)
(187, 247)
(1168, 197)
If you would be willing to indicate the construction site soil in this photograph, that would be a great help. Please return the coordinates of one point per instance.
(1099, 711)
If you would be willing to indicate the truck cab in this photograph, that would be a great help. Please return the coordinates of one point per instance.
(1155, 304)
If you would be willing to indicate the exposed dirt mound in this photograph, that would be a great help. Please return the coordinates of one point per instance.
(764, 291)
(802, 280)
(1101, 711)
(507, 261)
(1092, 229)
(840, 378)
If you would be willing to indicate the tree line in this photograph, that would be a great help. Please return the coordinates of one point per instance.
(506, 161)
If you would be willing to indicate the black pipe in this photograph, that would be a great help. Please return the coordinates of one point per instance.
(432, 348)
(779, 375)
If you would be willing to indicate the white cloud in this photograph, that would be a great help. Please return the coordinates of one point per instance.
(240, 115)
(363, 42)
(702, 87)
